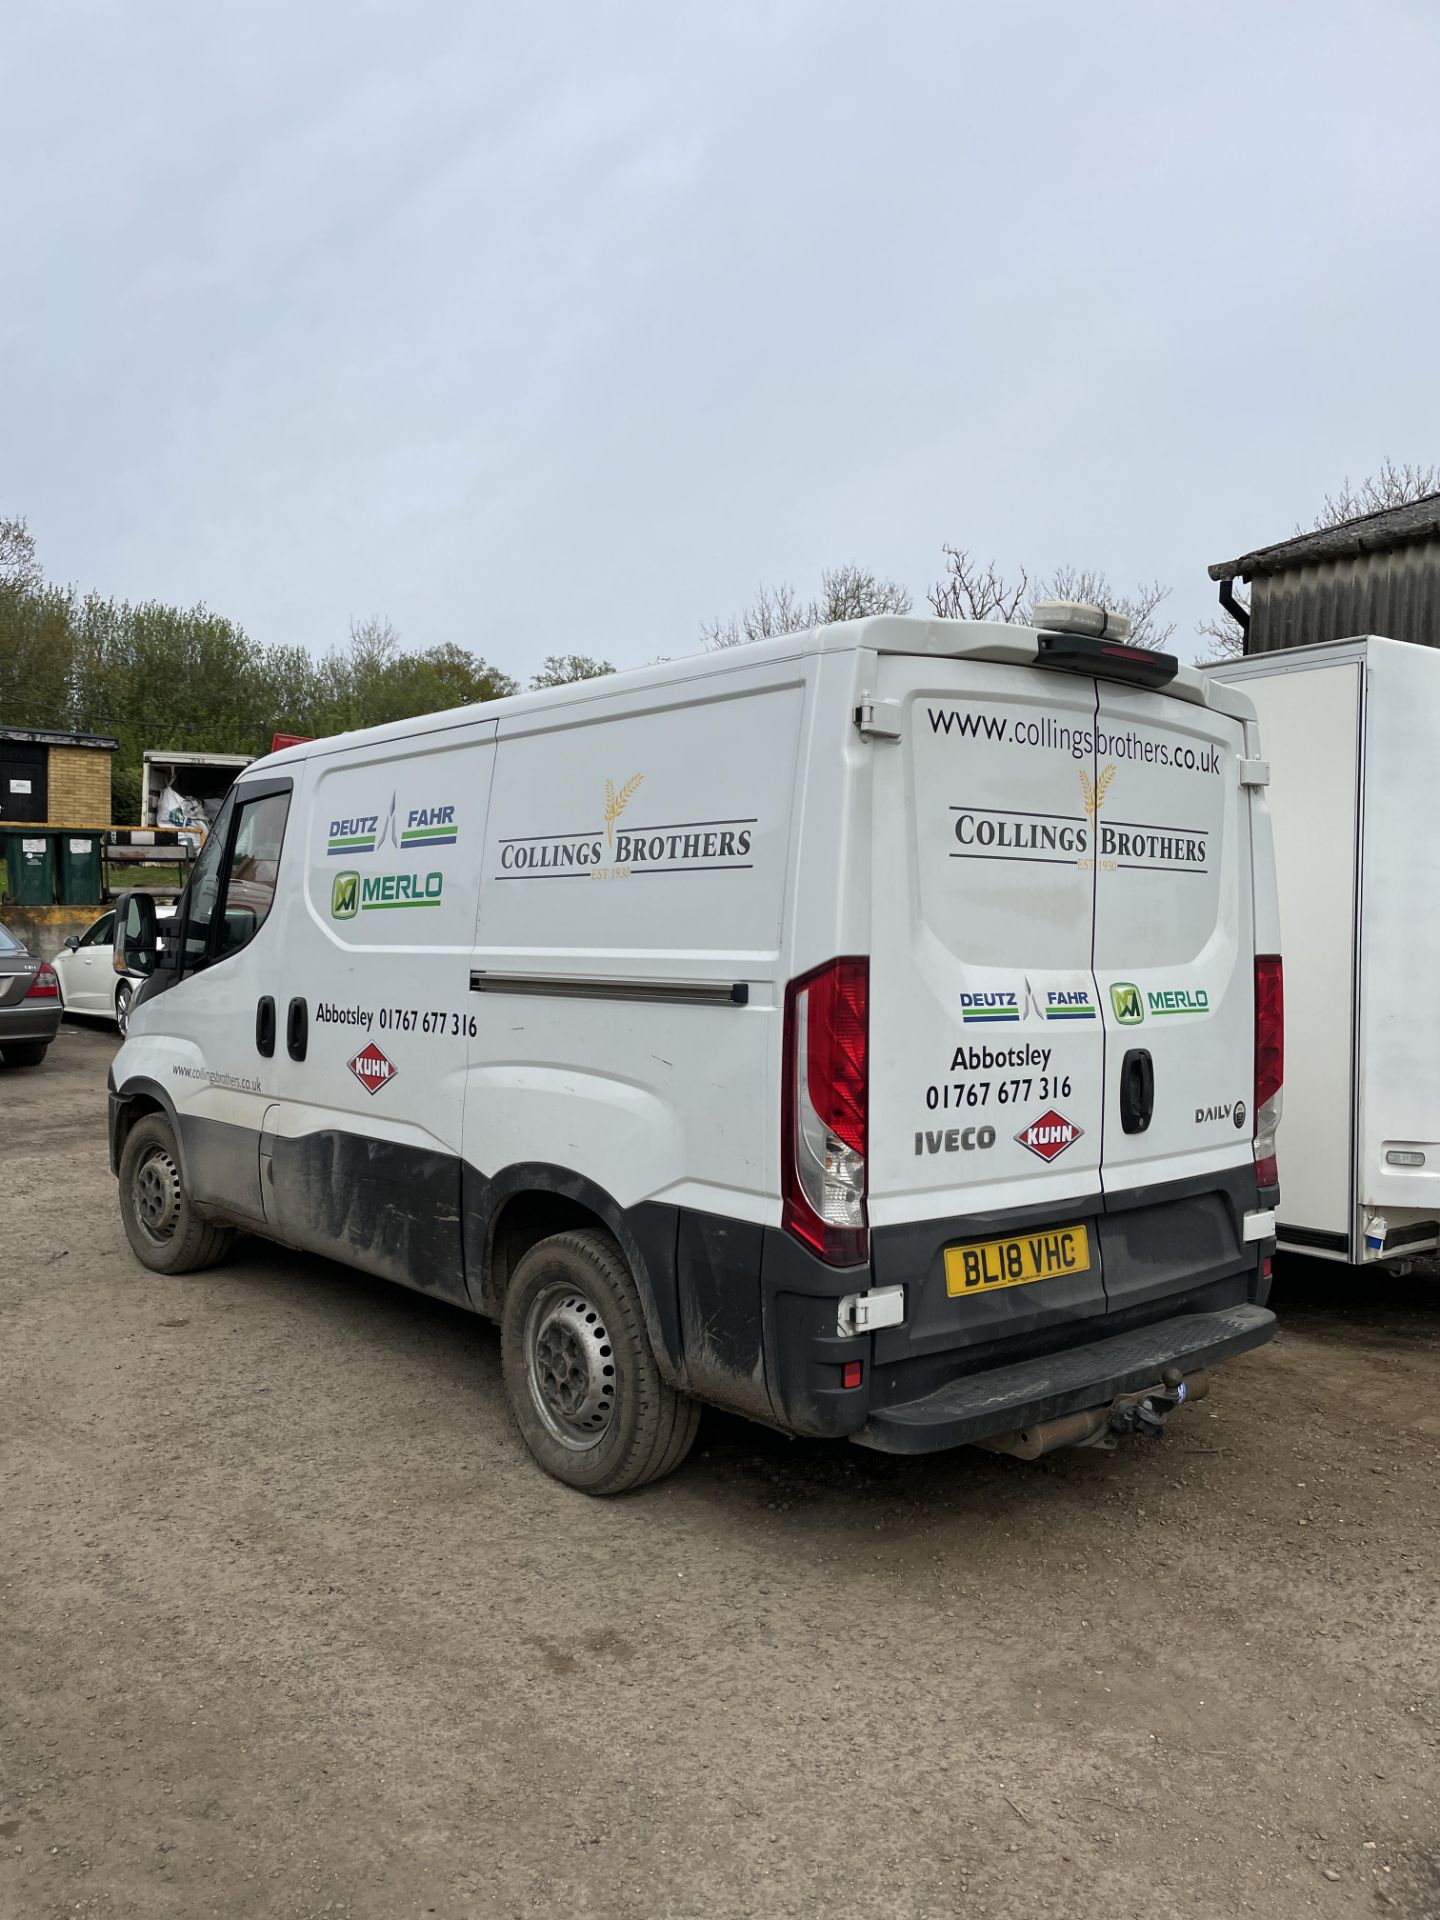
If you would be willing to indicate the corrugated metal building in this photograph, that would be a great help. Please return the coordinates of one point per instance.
(1376, 574)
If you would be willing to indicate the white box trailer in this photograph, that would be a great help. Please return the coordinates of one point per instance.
(1351, 730)
(206, 777)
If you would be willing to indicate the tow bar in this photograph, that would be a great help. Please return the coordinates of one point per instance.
(1143, 1413)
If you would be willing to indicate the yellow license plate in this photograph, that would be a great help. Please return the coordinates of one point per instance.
(990, 1264)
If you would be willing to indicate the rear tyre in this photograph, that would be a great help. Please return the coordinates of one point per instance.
(165, 1231)
(124, 994)
(24, 1053)
(580, 1373)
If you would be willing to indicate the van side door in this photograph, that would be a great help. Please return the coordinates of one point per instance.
(361, 1155)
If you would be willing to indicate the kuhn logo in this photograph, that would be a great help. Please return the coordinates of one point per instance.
(1049, 1136)
(372, 1069)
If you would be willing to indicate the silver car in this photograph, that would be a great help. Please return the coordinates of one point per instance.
(29, 1004)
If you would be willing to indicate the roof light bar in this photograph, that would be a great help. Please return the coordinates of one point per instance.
(1079, 616)
(1112, 661)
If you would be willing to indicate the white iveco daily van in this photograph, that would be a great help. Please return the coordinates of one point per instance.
(875, 1031)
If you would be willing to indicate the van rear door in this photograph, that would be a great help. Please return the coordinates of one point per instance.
(1061, 999)
(987, 1047)
(1174, 965)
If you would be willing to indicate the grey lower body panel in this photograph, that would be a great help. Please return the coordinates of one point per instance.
(1048, 1385)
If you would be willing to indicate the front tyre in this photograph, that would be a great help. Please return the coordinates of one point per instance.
(124, 994)
(580, 1373)
(165, 1231)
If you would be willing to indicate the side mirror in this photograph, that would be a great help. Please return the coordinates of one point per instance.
(73, 943)
(137, 942)
(239, 928)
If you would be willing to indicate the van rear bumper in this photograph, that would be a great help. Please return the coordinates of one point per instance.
(1027, 1392)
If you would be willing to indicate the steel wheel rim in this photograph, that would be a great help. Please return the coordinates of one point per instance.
(570, 1367)
(157, 1193)
(122, 1008)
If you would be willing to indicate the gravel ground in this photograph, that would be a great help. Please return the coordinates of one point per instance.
(290, 1625)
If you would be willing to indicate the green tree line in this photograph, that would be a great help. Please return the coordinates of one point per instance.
(186, 678)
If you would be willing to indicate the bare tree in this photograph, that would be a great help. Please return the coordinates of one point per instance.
(846, 593)
(773, 610)
(1141, 608)
(972, 592)
(374, 645)
(1392, 486)
(18, 565)
(1226, 637)
(854, 593)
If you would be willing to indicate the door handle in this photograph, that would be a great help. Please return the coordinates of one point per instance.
(265, 1026)
(1137, 1090)
(297, 1029)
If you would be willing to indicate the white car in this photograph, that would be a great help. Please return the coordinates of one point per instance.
(88, 981)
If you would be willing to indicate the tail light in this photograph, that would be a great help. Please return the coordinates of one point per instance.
(1269, 1063)
(45, 985)
(824, 1108)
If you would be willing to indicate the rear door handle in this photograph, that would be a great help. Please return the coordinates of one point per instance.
(265, 1026)
(1137, 1090)
(297, 1029)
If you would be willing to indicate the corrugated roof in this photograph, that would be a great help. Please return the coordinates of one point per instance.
(52, 737)
(1368, 533)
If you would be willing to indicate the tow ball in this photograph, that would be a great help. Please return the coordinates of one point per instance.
(1146, 1413)
(1143, 1413)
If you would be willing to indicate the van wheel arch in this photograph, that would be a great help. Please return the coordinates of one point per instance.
(132, 1103)
(507, 1215)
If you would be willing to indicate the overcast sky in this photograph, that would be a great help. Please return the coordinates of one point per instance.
(560, 326)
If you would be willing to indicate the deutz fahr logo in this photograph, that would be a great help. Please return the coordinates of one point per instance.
(1049, 1136)
(371, 1068)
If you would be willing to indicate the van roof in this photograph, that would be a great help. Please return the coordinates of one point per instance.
(1001, 641)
